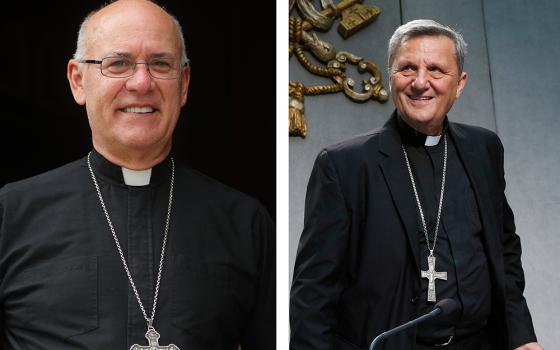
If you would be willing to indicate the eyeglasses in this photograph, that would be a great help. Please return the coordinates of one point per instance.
(122, 67)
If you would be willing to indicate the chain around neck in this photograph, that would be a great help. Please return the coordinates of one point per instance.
(424, 227)
(149, 320)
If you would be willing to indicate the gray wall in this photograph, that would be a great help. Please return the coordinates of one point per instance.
(513, 81)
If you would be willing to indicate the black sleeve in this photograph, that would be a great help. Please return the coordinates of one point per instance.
(260, 331)
(317, 281)
(2, 266)
(518, 317)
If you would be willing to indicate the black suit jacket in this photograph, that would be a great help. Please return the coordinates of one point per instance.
(357, 269)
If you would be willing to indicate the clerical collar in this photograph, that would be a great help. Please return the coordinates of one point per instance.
(136, 177)
(126, 177)
(432, 140)
(414, 137)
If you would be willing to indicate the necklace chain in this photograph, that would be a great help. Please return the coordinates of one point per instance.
(424, 227)
(149, 320)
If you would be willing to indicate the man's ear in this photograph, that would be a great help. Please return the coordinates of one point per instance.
(76, 79)
(461, 84)
(185, 80)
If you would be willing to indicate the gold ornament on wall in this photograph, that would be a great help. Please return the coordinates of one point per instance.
(355, 16)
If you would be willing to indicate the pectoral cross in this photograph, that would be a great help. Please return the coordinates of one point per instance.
(432, 275)
(153, 341)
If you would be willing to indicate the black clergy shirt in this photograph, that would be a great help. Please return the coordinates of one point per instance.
(63, 285)
(459, 250)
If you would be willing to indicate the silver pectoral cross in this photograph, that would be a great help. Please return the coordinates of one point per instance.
(432, 275)
(153, 341)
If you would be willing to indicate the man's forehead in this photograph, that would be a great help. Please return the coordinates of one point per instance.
(110, 24)
(426, 43)
(130, 19)
(421, 40)
(126, 35)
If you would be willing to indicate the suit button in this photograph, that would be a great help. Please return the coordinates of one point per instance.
(414, 299)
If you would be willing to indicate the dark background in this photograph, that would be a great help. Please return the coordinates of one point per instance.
(226, 129)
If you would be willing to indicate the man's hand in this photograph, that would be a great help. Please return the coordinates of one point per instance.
(530, 346)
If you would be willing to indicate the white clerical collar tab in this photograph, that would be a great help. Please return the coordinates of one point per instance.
(432, 140)
(137, 177)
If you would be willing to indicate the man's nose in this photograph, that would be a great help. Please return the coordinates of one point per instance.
(420, 81)
(141, 81)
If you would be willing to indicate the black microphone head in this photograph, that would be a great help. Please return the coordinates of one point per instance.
(450, 309)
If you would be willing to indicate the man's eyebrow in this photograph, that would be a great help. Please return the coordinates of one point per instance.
(118, 54)
(162, 55)
(151, 56)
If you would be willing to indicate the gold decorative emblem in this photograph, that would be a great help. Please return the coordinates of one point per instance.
(355, 16)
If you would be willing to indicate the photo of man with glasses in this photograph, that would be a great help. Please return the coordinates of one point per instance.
(127, 247)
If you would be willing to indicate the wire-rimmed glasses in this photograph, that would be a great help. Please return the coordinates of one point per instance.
(123, 67)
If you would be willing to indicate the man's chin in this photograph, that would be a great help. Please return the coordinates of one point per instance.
(141, 145)
(137, 142)
(419, 118)
(423, 122)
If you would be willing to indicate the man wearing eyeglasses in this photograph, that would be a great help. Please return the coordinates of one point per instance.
(126, 248)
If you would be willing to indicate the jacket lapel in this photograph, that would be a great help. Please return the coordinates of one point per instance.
(471, 156)
(396, 175)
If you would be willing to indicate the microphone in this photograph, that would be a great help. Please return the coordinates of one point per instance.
(445, 309)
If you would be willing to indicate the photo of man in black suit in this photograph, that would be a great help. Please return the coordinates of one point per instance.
(409, 214)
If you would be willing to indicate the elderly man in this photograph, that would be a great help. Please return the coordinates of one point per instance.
(407, 215)
(126, 248)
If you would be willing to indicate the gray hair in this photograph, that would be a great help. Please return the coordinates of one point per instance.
(79, 54)
(428, 27)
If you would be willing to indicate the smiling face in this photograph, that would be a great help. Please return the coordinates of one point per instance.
(134, 115)
(425, 81)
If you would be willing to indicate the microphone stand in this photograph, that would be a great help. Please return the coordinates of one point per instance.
(402, 327)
